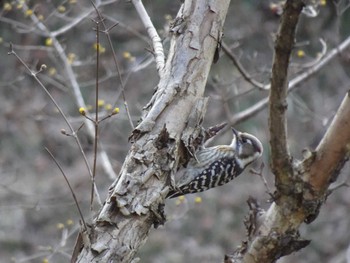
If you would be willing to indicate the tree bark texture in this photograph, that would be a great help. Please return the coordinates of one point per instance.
(170, 122)
(301, 186)
(280, 157)
(277, 233)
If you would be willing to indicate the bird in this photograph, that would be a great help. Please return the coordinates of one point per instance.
(214, 166)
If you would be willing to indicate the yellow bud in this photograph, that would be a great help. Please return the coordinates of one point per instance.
(126, 55)
(29, 12)
(7, 6)
(41, 17)
(48, 41)
(1, 40)
(168, 17)
(323, 2)
(300, 53)
(71, 58)
(100, 48)
(82, 111)
(52, 71)
(108, 106)
(100, 103)
(198, 200)
(60, 226)
(116, 110)
(72, 1)
(45, 260)
(181, 198)
(61, 9)
(70, 222)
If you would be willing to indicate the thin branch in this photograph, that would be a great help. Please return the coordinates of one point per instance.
(19, 25)
(72, 24)
(96, 121)
(76, 90)
(293, 84)
(152, 32)
(70, 188)
(241, 69)
(77, 20)
(122, 85)
(73, 132)
(317, 59)
(29, 47)
(127, 28)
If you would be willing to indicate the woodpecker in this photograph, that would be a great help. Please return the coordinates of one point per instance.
(217, 165)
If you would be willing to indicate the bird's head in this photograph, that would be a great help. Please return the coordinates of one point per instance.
(247, 147)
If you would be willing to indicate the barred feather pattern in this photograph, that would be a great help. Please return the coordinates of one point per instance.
(218, 165)
(218, 173)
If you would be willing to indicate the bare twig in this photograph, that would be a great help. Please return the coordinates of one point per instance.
(77, 20)
(262, 177)
(96, 121)
(73, 133)
(70, 188)
(127, 28)
(122, 85)
(293, 84)
(152, 32)
(319, 57)
(241, 69)
(28, 47)
(76, 90)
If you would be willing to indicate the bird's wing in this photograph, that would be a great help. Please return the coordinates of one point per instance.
(206, 156)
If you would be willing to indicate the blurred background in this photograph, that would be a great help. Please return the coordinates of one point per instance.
(38, 218)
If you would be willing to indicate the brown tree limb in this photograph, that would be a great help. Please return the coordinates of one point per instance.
(277, 233)
(280, 157)
(332, 151)
(135, 199)
(301, 187)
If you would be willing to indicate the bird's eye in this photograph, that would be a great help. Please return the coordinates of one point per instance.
(246, 140)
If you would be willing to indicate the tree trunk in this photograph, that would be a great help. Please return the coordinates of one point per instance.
(171, 120)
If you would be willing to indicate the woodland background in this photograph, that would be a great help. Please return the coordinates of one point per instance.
(38, 218)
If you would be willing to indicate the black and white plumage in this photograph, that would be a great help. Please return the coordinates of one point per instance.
(217, 165)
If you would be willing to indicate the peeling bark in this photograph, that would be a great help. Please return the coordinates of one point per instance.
(135, 199)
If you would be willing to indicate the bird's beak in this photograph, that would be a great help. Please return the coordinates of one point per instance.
(236, 134)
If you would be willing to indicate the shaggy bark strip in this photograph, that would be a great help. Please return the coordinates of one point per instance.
(135, 200)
